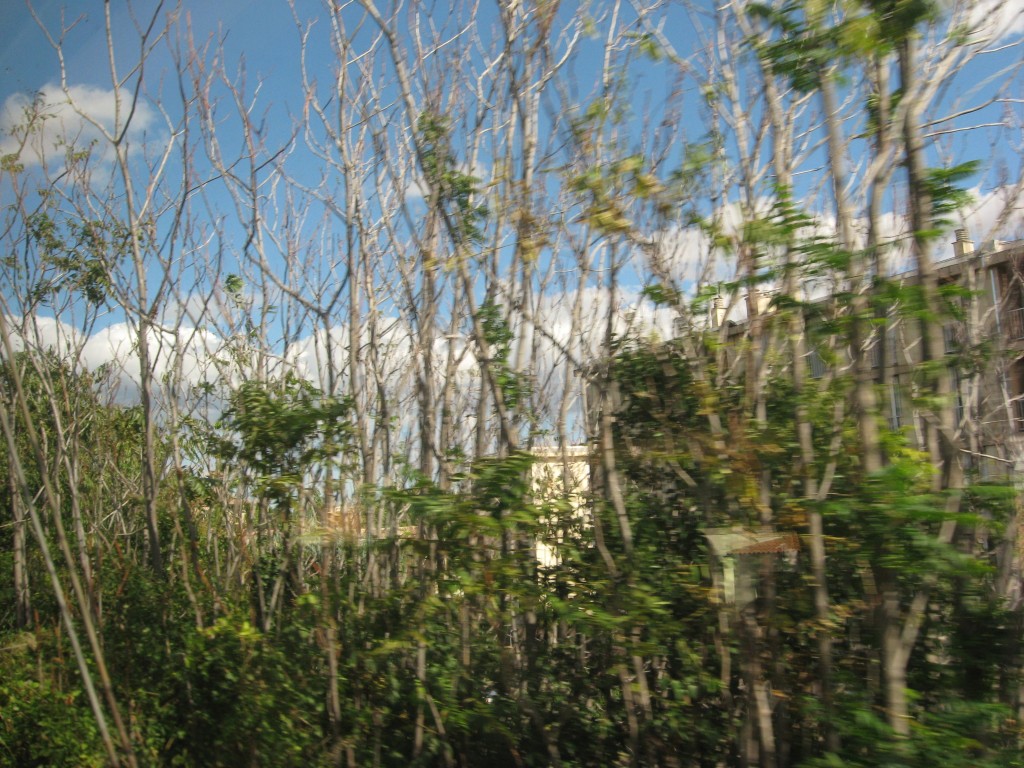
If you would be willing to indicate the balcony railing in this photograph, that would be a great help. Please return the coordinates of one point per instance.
(951, 338)
(1018, 415)
(1014, 321)
(891, 340)
(816, 364)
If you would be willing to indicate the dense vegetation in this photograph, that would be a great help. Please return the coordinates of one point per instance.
(293, 396)
(427, 632)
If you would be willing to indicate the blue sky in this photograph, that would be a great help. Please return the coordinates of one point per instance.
(262, 39)
(664, 110)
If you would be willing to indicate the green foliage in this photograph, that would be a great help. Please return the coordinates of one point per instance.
(899, 18)
(608, 189)
(233, 284)
(444, 638)
(44, 719)
(956, 733)
(489, 620)
(515, 388)
(808, 45)
(521, 661)
(281, 432)
(943, 186)
(62, 400)
(456, 192)
(10, 163)
(646, 45)
(45, 727)
(248, 696)
(660, 294)
(76, 255)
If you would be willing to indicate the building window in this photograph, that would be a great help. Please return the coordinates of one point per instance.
(951, 338)
(956, 390)
(895, 405)
(1014, 323)
(1018, 415)
(1016, 388)
(815, 364)
(877, 348)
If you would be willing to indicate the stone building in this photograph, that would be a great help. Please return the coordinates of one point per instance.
(983, 335)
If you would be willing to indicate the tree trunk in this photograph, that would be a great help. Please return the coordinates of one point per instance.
(22, 594)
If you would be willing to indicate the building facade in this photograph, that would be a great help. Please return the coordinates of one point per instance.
(983, 335)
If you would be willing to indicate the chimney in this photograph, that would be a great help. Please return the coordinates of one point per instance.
(679, 325)
(963, 245)
(716, 313)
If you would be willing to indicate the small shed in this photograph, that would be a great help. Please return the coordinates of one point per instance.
(736, 554)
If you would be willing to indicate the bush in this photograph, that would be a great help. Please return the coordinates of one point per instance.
(42, 723)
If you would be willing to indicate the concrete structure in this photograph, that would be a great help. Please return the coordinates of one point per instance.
(560, 479)
(984, 352)
(984, 349)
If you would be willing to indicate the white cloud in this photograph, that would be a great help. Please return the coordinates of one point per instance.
(1003, 204)
(559, 342)
(687, 257)
(311, 356)
(992, 19)
(41, 332)
(186, 352)
(186, 355)
(40, 129)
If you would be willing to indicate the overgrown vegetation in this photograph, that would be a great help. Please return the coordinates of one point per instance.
(387, 474)
(451, 644)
